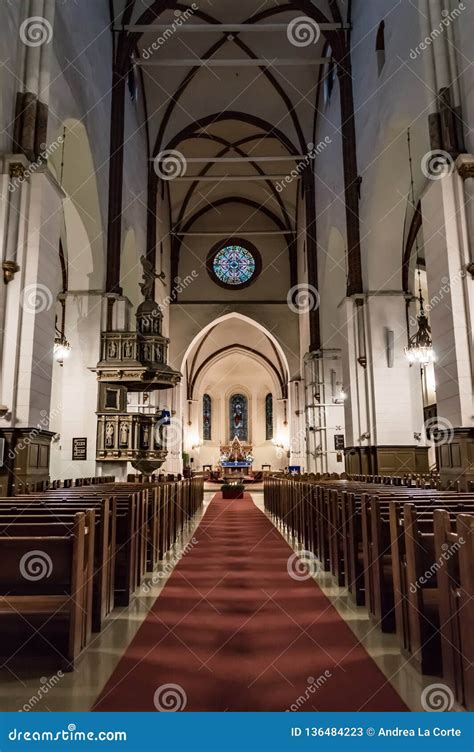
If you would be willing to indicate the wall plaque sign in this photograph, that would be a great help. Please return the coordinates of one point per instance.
(79, 449)
(339, 441)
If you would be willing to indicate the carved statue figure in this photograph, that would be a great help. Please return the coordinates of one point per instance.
(109, 434)
(124, 431)
(112, 349)
(128, 349)
(146, 437)
(149, 275)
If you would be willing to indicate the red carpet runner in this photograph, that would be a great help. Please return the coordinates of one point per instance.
(233, 631)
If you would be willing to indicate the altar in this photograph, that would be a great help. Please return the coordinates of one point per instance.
(236, 458)
(236, 467)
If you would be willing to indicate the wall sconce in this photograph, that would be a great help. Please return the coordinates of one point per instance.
(340, 398)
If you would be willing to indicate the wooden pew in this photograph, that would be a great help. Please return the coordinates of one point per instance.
(416, 590)
(454, 548)
(57, 508)
(47, 578)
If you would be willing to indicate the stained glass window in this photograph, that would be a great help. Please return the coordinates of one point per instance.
(269, 417)
(206, 417)
(234, 265)
(238, 417)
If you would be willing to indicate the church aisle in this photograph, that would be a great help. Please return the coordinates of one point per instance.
(232, 630)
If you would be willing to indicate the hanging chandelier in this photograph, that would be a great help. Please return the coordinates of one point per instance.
(420, 345)
(62, 348)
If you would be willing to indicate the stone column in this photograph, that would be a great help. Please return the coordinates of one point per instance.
(35, 40)
(29, 319)
(296, 421)
(384, 407)
(451, 309)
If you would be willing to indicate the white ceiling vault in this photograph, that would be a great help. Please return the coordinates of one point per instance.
(225, 97)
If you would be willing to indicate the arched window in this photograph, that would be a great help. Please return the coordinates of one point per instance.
(380, 47)
(269, 417)
(329, 77)
(238, 417)
(206, 417)
(132, 80)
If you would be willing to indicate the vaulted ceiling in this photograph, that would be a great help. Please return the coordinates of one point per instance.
(222, 96)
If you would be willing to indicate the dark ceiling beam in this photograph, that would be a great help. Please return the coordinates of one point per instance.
(256, 62)
(228, 146)
(227, 28)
